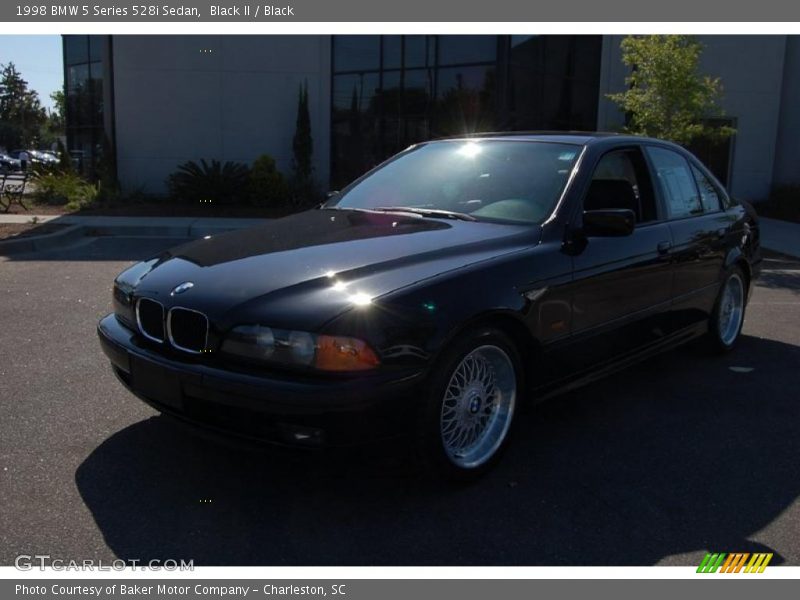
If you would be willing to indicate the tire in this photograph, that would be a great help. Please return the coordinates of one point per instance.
(727, 318)
(466, 419)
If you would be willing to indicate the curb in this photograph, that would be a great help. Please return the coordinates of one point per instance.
(46, 241)
(73, 233)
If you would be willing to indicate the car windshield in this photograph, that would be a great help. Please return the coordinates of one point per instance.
(493, 180)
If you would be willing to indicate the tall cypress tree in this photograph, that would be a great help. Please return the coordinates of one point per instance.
(302, 144)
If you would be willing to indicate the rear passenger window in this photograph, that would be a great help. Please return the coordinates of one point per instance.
(709, 195)
(676, 182)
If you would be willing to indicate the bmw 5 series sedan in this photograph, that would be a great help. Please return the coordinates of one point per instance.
(437, 293)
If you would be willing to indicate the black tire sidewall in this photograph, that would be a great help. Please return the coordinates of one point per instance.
(430, 445)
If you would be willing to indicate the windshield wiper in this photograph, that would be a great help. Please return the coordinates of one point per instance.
(427, 212)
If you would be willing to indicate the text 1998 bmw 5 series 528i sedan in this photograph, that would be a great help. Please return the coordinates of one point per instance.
(435, 294)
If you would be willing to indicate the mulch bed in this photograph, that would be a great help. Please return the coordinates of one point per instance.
(10, 231)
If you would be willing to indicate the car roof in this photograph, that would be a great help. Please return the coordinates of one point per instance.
(583, 138)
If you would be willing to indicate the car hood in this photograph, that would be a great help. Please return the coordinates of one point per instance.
(309, 267)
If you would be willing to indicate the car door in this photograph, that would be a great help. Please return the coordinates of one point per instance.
(699, 227)
(621, 285)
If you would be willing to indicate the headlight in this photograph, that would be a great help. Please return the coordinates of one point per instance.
(124, 285)
(121, 301)
(324, 352)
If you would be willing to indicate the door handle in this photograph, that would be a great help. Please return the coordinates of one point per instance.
(664, 247)
(721, 232)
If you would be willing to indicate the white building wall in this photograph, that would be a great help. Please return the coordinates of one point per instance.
(787, 151)
(751, 69)
(180, 98)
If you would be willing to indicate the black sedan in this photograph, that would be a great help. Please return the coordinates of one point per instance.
(438, 292)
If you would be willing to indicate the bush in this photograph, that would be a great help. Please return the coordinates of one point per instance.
(303, 194)
(64, 189)
(267, 186)
(214, 183)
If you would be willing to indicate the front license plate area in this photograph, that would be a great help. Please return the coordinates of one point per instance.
(156, 383)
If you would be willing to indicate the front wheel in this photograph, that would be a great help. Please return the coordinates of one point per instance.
(471, 403)
(727, 318)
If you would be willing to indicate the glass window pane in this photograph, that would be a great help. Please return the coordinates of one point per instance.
(356, 52)
(392, 52)
(419, 51)
(708, 193)
(457, 49)
(487, 179)
(465, 100)
(355, 142)
(77, 78)
(621, 180)
(96, 43)
(96, 86)
(76, 49)
(676, 182)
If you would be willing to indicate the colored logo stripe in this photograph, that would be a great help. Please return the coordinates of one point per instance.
(758, 563)
(711, 563)
(734, 562)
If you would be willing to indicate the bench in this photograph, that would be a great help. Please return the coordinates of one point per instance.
(12, 189)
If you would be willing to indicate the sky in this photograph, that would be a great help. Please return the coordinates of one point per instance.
(39, 59)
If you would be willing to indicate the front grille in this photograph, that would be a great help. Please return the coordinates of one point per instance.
(187, 329)
(150, 318)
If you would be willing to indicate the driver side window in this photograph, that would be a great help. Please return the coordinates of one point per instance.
(621, 180)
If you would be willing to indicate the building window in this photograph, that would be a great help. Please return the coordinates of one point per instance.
(83, 83)
(393, 91)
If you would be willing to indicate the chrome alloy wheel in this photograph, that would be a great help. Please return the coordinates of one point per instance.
(478, 406)
(731, 310)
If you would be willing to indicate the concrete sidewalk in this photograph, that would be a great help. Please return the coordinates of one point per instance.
(81, 226)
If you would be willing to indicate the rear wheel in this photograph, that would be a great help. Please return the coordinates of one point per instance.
(471, 403)
(727, 318)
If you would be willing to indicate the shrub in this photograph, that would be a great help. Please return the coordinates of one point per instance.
(64, 189)
(267, 186)
(215, 183)
(303, 194)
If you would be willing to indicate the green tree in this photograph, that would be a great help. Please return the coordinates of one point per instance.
(57, 116)
(667, 96)
(21, 112)
(303, 144)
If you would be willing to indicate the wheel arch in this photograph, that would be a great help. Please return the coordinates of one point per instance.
(507, 321)
(736, 258)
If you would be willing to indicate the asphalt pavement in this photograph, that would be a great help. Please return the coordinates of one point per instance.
(682, 454)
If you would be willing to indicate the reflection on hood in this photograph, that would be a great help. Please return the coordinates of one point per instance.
(303, 230)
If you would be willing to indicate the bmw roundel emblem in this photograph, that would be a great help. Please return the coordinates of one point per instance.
(179, 289)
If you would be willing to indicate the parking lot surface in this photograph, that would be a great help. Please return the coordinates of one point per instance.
(682, 454)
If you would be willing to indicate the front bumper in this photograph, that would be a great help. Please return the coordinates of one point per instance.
(274, 407)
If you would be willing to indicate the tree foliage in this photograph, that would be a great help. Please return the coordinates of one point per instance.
(303, 144)
(667, 96)
(21, 114)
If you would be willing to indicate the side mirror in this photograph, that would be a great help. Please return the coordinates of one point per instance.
(610, 222)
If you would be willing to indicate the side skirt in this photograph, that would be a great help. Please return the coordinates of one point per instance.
(618, 363)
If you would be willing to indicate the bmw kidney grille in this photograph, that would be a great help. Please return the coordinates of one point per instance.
(186, 329)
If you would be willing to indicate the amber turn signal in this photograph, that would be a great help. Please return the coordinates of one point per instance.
(335, 353)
